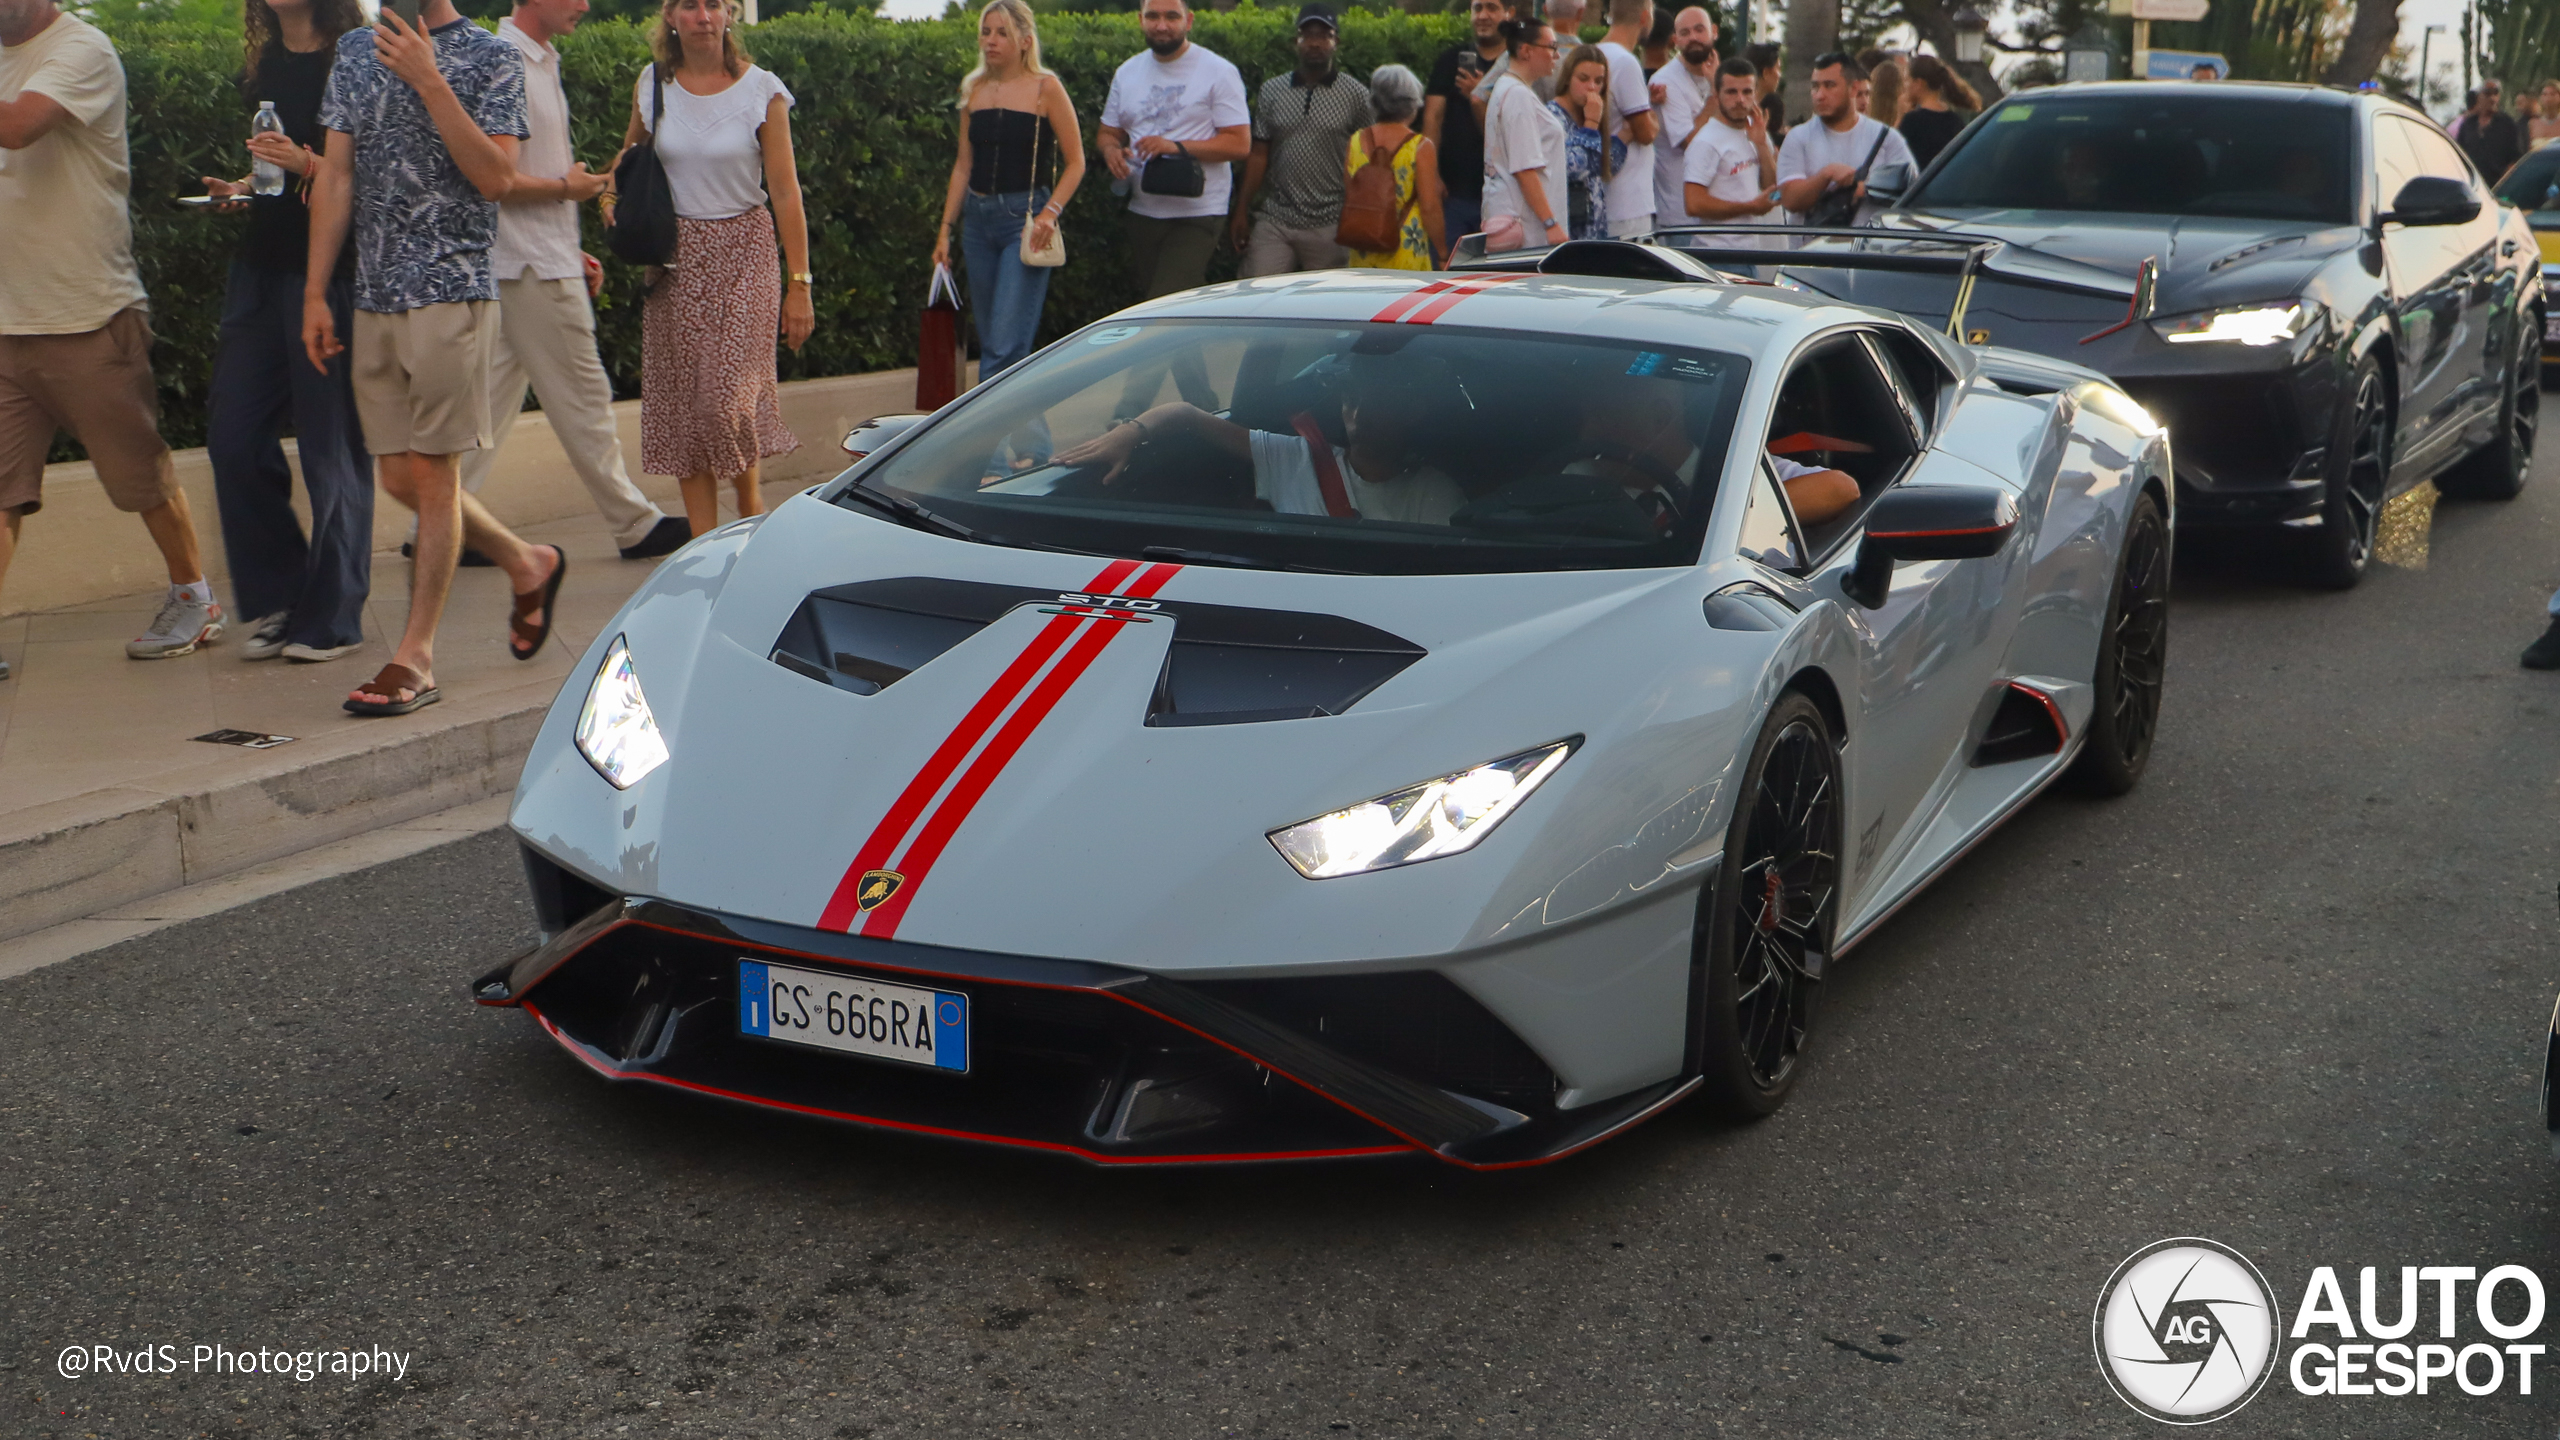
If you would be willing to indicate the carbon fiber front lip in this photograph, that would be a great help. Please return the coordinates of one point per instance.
(1413, 1116)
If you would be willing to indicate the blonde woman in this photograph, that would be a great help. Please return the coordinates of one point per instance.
(708, 412)
(1017, 123)
(1884, 91)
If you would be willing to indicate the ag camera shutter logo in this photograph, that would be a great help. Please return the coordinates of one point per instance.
(2185, 1330)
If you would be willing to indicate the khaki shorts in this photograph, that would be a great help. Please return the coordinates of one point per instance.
(97, 385)
(422, 377)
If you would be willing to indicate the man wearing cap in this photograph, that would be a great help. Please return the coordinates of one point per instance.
(1302, 127)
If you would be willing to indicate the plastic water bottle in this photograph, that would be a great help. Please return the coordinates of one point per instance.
(268, 177)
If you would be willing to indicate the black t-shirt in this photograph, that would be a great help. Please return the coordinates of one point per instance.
(1928, 131)
(279, 233)
(1461, 139)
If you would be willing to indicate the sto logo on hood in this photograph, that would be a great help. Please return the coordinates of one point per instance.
(898, 857)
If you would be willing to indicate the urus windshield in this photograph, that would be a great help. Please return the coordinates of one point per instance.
(1364, 448)
(2247, 157)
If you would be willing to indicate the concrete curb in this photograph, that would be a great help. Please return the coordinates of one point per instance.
(76, 858)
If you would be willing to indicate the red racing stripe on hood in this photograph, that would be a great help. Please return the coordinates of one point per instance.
(918, 860)
(1396, 307)
(842, 908)
(1448, 302)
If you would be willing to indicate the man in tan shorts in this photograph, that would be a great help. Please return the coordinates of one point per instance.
(423, 128)
(75, 339)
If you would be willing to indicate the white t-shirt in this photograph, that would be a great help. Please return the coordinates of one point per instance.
(1521, 134)
(66, 236)
(1631, 184)
(1814, 146)
(1684, 97)
(1724, 159)
(1190, 97)
(715, 163)
(1284, 473)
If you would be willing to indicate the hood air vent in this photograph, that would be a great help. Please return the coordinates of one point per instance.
(1227, 665)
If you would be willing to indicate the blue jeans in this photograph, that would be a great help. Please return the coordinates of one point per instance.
(1460, 214)
(262, 381)
(1005, 293)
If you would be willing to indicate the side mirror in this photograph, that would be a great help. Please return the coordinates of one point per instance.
(875, 432)
(2432, 200)
(1928, 522)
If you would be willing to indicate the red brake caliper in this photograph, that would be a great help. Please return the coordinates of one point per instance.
(1773, 904)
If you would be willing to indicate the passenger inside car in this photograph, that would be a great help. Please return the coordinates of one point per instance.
(1636, 431)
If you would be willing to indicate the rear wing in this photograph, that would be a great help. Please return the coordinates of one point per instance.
(1738, 254)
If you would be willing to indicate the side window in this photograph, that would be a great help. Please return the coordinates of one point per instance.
(2436, 154)
(2393, 163)
(1769, 526)
(1906, 383)
(1837, 412)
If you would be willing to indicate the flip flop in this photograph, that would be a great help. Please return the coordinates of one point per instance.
(527, 633)
(388, 683)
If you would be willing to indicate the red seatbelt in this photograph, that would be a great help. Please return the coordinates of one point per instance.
(1337, 497)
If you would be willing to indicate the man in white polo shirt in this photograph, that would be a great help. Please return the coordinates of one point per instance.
(1684, 100)
(546, 323)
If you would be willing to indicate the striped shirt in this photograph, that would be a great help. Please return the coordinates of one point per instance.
(1308, 128)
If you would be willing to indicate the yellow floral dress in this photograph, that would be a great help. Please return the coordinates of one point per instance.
(1414, 251)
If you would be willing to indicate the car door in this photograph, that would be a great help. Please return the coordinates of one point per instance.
(1925, 655)
(2429, 286)
(2475, 348)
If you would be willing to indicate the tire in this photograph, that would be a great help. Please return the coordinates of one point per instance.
(1766, 932)
(2498, 470)
(2133, 652)
(2335, 555)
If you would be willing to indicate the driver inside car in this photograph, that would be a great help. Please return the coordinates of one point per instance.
(1379, 473)
(1635, 431)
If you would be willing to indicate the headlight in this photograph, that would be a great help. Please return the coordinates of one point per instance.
(1422, 822)
(616, 732)
(2246, 325)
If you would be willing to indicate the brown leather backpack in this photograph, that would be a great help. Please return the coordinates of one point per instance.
(1372, 221)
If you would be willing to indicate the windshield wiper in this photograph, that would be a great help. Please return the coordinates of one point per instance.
(908, 513)
(1176, 555)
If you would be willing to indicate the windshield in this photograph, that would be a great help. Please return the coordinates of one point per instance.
(2253, 158)
(2534, 183)
(1366, 448)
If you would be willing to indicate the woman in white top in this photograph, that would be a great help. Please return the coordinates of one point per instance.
(1524, 147)
(708, 412)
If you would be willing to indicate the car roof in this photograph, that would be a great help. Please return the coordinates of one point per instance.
(2269, 90)
(1744, 318)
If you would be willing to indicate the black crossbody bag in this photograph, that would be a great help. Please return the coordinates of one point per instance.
(1176, 175)
(1840, 206)
(644, 210)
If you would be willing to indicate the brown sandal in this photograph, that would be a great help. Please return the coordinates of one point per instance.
(528, 634)
(388, 683)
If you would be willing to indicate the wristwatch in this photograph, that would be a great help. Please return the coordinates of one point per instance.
(1547, 224)
(804, 277)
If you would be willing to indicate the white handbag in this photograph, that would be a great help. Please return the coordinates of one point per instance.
(1053, 254)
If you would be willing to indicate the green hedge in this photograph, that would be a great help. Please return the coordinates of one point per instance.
(875, 131)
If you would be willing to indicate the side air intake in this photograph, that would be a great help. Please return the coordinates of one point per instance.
(2025, 725)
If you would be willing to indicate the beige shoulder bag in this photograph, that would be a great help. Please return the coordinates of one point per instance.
(1054, 253)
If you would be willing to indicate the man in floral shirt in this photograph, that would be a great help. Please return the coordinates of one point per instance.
(423, 127)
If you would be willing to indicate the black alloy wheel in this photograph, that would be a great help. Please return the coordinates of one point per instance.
(1767, 931)
(2359, 469)
(2498, 470)
(2133, 657)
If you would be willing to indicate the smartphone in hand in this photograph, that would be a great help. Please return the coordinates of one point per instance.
(407, 10)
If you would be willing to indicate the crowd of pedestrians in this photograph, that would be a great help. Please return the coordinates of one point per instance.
(408, 269)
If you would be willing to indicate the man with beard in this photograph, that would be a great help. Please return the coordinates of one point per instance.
(1840, 147)
(1176, 99)
(1302, 127)
(1449, 118)
(1684, 99)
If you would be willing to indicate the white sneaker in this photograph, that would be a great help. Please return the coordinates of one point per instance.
(184, 622)
(302, 654)
(266, 638)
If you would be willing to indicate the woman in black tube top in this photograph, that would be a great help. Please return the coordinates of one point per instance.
(1018, 128)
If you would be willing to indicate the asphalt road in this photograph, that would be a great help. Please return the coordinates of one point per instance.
(2289, 995)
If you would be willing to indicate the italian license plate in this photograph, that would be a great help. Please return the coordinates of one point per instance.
(857, 1016)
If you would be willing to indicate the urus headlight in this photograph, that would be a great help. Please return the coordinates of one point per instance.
(616, 732)
(1421, 822)
(2241, 325)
